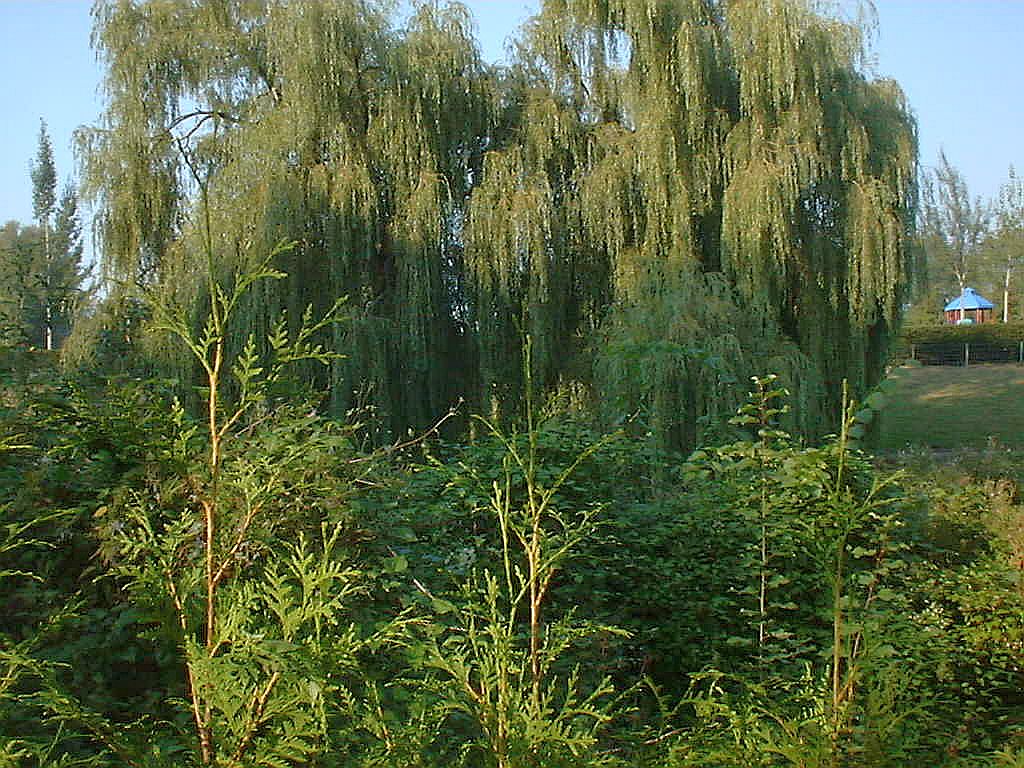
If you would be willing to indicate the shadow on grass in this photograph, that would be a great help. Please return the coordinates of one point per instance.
(976, 407)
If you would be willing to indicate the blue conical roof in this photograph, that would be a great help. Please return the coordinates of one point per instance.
(969, 299)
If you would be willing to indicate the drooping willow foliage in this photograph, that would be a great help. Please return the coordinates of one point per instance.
(667, 195)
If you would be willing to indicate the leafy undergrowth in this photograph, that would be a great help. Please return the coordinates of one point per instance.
(540, 596)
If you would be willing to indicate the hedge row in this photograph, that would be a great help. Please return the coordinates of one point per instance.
(987, 333)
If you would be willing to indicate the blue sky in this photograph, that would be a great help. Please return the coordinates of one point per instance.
(959, 61)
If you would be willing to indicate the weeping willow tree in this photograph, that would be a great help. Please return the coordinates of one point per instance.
(667, 195)
(247, 124)
(697, 191)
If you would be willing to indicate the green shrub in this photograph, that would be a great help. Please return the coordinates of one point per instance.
(982, 333)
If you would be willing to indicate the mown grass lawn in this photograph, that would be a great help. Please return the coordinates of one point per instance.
(948, 407)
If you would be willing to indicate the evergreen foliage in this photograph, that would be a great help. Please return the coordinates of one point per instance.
(18, 258)
(42, 298)
(44, 197)
(43, 173)
(987, 333)
(546, 597)
(42, 278)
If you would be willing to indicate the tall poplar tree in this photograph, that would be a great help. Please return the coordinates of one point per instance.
(667, 195)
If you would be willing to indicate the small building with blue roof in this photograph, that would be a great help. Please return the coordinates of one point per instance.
(969, 307)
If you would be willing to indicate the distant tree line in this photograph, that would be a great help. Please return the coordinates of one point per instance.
(966, 241)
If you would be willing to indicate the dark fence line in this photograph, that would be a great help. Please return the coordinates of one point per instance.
(955, 353)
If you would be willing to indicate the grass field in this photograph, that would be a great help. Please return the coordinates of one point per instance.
(949, 408)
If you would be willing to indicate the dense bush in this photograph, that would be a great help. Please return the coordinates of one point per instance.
(760, 603)
(948, 344)
(982, 333)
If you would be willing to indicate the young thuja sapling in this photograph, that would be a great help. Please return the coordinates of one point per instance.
(501, 657)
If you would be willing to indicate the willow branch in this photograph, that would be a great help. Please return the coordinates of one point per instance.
(401, 446)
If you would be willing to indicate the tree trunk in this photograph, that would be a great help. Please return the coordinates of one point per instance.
(1006, 295)
(48, 311)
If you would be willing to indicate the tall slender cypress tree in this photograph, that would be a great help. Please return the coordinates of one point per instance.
(43, 172)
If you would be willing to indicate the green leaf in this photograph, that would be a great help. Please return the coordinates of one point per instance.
(442, 606)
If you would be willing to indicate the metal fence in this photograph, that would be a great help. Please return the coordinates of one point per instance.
(957, 353)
